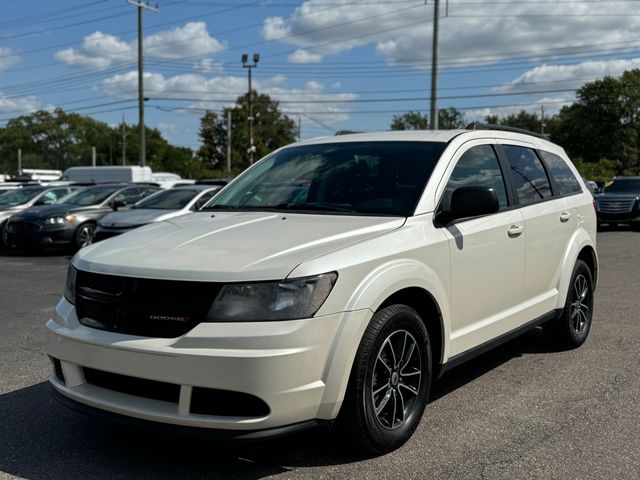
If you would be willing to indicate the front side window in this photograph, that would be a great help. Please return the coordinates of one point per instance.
(527, 175)
(477, 167)
(561, 173)
(366, 178)
(20, 196)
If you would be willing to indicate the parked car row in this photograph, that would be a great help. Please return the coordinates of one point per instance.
(37, 217)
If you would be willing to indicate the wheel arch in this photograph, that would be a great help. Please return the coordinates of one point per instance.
(581, 247)
(403, 281)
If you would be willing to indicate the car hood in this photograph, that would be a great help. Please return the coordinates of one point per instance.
(229, 246)
(47, 211)
(136, 217)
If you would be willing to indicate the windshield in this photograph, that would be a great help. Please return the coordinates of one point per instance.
(89, 196)
(168, 200)
(623, 186)
(21, 196)
(367, 178)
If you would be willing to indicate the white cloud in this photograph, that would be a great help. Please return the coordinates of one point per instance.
(473, 33)
(552, 105)
(567, 76)
(99, 50)
(217, 92)
(303, 56)
(18, 105)
(8, 58)
(190, 40)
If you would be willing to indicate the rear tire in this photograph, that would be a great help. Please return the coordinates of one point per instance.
(390, 381)
(572, 328)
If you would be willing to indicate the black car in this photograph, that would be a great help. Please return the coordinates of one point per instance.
(620, 202)
(73, 221)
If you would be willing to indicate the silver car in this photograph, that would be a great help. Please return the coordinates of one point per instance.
(160, 206)
(19, 199)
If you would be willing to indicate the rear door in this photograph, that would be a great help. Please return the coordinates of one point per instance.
(549, 220)
(487, 253)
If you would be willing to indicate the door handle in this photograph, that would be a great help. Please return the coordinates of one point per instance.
(565, 217)
(515, 231)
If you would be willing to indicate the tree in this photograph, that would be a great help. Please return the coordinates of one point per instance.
(410, 121)
(272, 130)
(59, 140)
(522, 119)
(448, 118)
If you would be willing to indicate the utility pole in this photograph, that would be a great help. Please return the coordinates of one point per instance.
(299, 128)
(19, 161)
(433, 115)
(124, 143)
(93, 156)
(229, 144)
(141, 6)
(542, 119)
(249, 67)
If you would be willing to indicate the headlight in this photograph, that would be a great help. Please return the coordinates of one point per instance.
(60, 220)
(285, 300)
(70, 287)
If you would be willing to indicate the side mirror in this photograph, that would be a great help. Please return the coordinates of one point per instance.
(116, 204)
(468, 202)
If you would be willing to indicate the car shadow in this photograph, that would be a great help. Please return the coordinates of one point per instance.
(11, 252)
(42, 439)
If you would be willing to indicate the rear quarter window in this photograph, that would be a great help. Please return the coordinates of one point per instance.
(561, 173)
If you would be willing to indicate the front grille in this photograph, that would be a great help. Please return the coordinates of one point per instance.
(140, 387)
(615, 205)
(139, 306)
(23, 227)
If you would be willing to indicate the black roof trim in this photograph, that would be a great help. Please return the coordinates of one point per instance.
(504, 128)
(345, 132)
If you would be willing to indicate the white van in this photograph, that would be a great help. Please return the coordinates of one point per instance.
(108, 174)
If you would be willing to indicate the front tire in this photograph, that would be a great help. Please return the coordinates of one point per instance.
(84, 235)
(390, 381)
(572, 328)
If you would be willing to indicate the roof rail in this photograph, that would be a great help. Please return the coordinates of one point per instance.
(504, 128)
(345, 132)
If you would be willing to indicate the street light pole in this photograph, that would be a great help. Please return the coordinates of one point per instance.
(249, 67)
(141, 6)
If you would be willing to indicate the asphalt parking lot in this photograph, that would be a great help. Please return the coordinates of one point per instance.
(518, 412)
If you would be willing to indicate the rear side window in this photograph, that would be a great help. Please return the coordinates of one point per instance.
(527, 175)
(561, 173)
(477, 167)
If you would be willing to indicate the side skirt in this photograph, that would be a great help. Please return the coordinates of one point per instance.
(505, 337)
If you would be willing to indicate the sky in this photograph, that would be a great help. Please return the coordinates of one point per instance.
(332, 64)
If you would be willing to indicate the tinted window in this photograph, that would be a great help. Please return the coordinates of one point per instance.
(168, 200)
(129, 196)
(527, 175)
(623, 186)
(20, 196)
(378, 178)
(477, 167)
(561, 173)
(202, 201)
(52, 196)
(90, 196)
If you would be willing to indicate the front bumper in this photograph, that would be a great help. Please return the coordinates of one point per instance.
(298, 368)
(43, 238)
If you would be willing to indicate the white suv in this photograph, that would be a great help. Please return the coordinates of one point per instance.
(333, 280)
